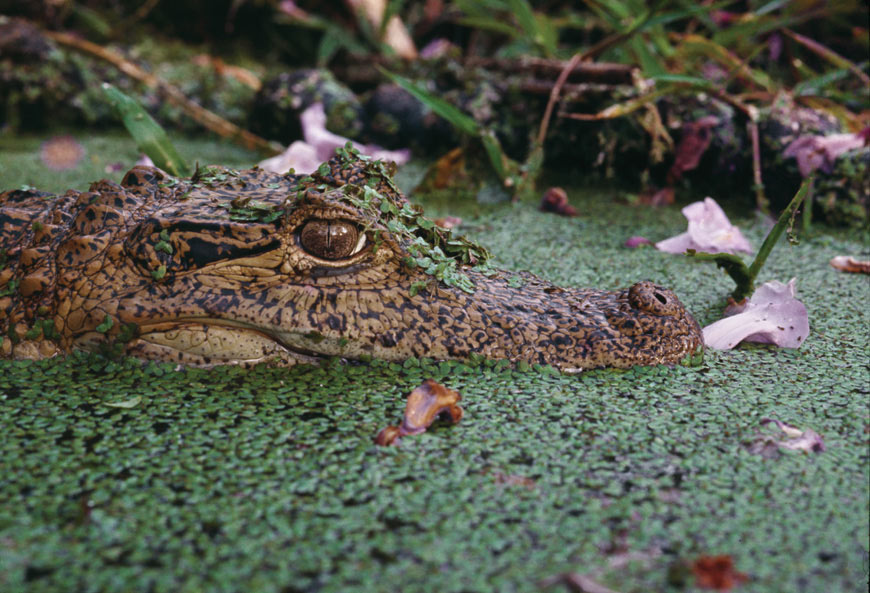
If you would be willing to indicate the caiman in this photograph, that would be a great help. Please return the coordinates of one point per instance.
(244, 267)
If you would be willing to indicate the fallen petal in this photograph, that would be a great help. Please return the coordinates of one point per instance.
(847, 263)
(448, 222)
(636, 241)
(678, 244)
(61, 153)
(426, 403)
(320, 144)
(709, 231)
(313, 121)
(772, 316)
(299, 156)
(819, 152)
(145, 160)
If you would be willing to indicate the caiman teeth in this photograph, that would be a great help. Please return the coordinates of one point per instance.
(359, 244)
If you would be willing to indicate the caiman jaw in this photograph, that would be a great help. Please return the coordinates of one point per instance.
(570, 329)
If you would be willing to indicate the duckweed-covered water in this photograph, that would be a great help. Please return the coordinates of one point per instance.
(119, 476)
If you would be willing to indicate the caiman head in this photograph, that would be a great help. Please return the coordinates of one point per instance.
(243, 267)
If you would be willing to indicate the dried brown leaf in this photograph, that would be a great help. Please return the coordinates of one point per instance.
(425, 404)
(717, 572)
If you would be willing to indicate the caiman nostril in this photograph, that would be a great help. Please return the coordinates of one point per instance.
(652, 298)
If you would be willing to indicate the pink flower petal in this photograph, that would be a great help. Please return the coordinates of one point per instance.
(709, 231)
(820, 152)
(678, 244)
(314, 131)
(320, 145)
(61, 153)
(772, 316)
(299, 156)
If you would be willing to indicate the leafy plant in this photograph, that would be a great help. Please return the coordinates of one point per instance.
(149, 136)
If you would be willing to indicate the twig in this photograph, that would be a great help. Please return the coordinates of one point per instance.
(752, 128)
(605, 72)
(137, 16)
(554, 96)
(536, 71)
(828, 54)
(204, 117)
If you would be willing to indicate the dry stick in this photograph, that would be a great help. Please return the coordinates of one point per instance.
(554, 97)
(604, 72)
(203, 116)
(140, 13)
(752, 128)
(828, 54)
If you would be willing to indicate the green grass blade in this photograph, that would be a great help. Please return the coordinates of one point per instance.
(526, 18)
(460, 120)
(149, 136)
(777, 230)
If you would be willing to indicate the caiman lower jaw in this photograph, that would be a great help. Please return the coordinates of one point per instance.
(207, 342)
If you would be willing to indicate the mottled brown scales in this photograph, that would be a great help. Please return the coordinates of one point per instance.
(213, 270)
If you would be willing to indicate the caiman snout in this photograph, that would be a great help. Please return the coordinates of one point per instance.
(651, 298)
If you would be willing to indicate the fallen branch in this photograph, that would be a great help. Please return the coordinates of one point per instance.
(538, 73)
(199, 114)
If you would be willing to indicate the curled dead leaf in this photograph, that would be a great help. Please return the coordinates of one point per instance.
(795, 439)
(513, 480)
(847, 263)
(555, 200)
(425, 404)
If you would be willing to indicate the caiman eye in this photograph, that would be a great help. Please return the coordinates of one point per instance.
(331, 239)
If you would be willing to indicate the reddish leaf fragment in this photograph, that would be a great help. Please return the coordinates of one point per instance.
(556, 200)
(514, 480)
(661, 197)
(717, 572)
(693, 144)
(847, 263)
(426, 403)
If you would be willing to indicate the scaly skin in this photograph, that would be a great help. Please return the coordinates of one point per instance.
(164, 269)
